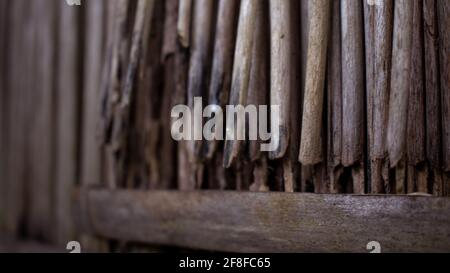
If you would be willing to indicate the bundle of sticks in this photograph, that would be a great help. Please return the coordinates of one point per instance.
(363, 90)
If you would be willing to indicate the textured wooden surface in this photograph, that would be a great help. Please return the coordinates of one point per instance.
(273, 222)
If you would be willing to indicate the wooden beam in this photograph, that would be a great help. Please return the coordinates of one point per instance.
(270, 222)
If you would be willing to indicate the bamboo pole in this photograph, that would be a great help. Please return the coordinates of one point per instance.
(310, 145)
(352, 91)
(241, 72)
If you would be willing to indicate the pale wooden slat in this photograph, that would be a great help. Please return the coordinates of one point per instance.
(271, 222)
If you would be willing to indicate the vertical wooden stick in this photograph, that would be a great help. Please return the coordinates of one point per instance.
(416, 106)
(241, 71)
(433, 94)
(353, 89)
(379, 53)
(199, 67)
(334, 88)
(433, 106)
(401, 67)
(310, 144)
(184, 22)
(400, 83)
(291, 165)
(258, 90)
(222, 66)
(282, 75)
(444, 49)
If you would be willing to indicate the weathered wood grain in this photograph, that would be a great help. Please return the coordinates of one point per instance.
(443, 8)
(241, 75)
(310, 144)
(352, 82)
(167, 151)
(282, 71)
(184, 22)
(199, 72)
(432, 86)
(334, 97)
(379, 20)
(400, 81)
(222, 63)
(353, 90)
(415, 140)
(274, 222)
(291, 165)
(259, 85)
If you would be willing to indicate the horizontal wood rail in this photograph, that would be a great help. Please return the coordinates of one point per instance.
(269, 222)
